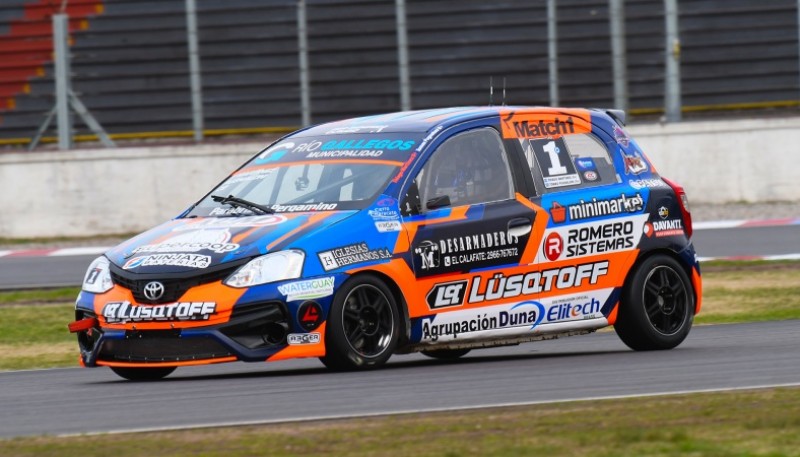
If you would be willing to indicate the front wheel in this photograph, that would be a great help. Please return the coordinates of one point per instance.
(657, 306)
(143, 374)
(363, 325)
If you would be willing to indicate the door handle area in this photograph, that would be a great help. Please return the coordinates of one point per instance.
(519, 227)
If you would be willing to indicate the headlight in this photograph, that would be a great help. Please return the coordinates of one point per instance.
(276, 266)
(98, 277)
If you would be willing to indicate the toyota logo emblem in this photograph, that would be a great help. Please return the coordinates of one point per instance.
(154, 290)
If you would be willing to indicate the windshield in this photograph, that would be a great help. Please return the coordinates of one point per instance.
(336, 172)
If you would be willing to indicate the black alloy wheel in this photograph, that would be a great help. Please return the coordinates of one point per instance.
(363, 325)
(657, 305)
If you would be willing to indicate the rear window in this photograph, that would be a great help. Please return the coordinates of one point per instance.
(568, 162)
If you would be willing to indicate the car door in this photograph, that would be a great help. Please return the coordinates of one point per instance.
(465, 222)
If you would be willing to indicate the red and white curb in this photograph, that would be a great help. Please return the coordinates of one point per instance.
(63, 252)
(713, 225)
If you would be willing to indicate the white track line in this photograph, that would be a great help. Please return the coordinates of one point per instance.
(421, 410)
(79, 251)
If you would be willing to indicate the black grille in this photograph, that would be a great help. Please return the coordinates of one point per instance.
(158, 346)
(175, 285)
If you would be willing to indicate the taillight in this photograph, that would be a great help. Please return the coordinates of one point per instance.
(684, 204)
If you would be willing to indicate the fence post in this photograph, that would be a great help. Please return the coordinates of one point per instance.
(619, 62)
(402, 55)
(302, 56)
(194, 70)
(62, 75)
(672, 80)
(552, 52)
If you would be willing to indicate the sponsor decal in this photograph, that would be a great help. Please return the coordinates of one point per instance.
(384, 213)
(634, 164)
(404, 168)
(277, 152)
(122, 312)
(447, 294)
(587, 168)
(647, 183)
(466, 250)
(574, 309)
(500, 286)
(309, 315)
(599, 208)
(174, 260)
(544, 125)
(672, 227)
(558, 213)
(428, 138)
(232, 222)
(388, 226)
(226, 211)
(621, 137)
(553, 246)
(357, 129)
(198, 240)
(351, 254)
(554, 162)
(308, 207)
(663, 212)
(593, 238)
(303, 338)
(359, 148)
(306, 290)
(448, 326)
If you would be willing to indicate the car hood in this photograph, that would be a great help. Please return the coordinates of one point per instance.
(195, 244)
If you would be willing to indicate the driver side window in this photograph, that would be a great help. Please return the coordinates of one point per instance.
(467, 169)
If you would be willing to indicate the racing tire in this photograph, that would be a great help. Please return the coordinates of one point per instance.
(656, 309)
(446, 354)
(363, 326)
(143, 374)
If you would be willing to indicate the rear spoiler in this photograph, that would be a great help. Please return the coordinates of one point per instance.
(617, 114)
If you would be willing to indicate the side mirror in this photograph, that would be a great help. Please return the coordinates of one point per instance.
(438, 202)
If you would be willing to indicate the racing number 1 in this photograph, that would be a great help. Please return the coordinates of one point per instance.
(555, 162)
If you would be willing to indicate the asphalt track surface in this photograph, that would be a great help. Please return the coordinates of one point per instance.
(75, 401)
(28, 272)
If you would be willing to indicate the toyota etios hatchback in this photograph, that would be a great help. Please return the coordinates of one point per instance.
(436, 231)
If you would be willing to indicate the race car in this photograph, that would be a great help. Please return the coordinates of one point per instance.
(435, 231)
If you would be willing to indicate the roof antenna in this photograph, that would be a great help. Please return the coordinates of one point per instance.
(491, 91)
(504, 91)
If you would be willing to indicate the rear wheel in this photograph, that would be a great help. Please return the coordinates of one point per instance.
(143, 374)
(446, 354)
(363, 325)
(657, 306)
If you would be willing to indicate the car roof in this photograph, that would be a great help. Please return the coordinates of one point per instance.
(422, 121)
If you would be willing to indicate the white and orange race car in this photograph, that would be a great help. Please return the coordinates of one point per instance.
(437, 231)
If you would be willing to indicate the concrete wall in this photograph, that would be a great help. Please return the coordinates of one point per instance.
(93, 192)
(108, 191)
(747, 160)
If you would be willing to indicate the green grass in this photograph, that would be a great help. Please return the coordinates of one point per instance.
(761, 423)
(36, 336)
(33, 324)
(66, 294)
(750, 292)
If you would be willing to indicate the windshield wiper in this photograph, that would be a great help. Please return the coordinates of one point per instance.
(242, 203)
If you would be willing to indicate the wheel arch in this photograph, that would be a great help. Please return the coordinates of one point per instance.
(405, 320)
